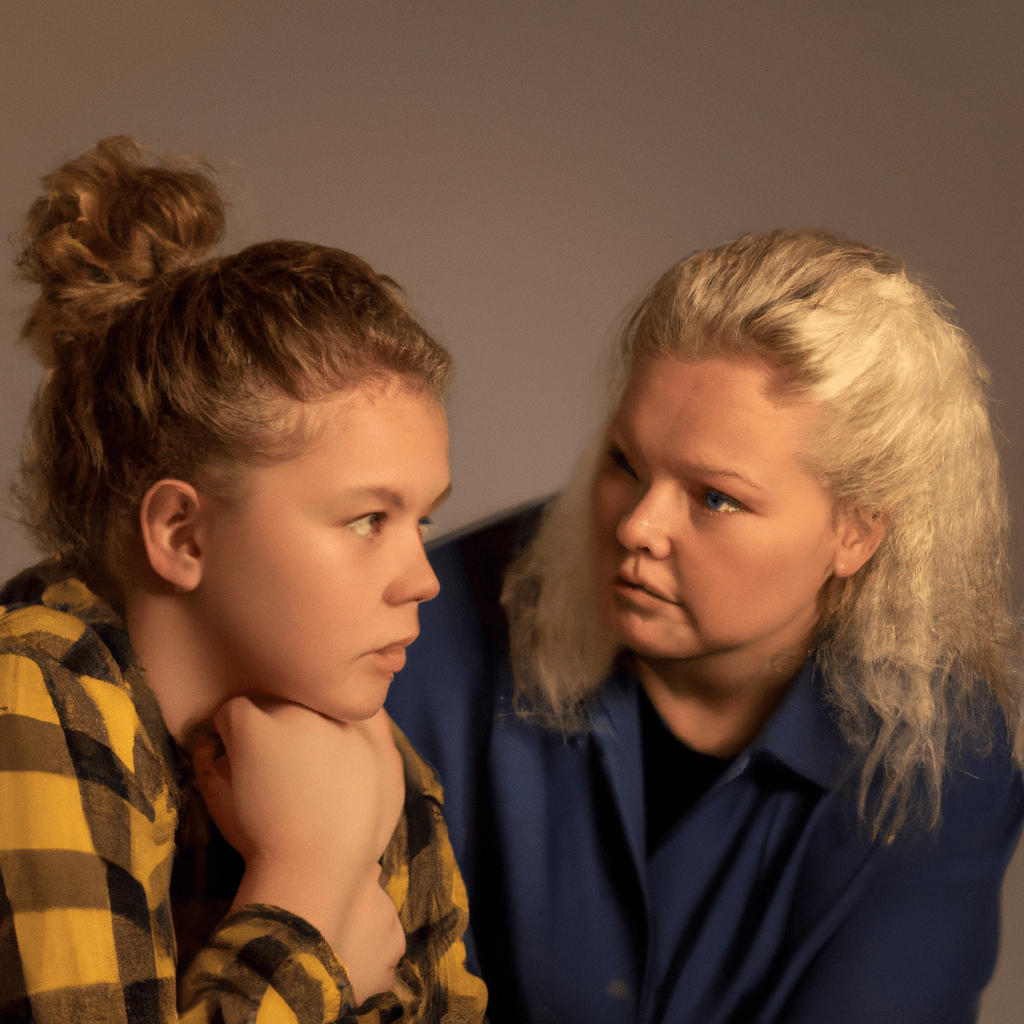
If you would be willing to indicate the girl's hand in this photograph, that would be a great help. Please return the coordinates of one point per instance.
(374, 940)
(311, 804)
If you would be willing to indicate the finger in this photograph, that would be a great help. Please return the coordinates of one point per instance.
(214, 782)
(204, 754)
(235, 719)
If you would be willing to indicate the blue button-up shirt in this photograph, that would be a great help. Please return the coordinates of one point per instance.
(764, 903)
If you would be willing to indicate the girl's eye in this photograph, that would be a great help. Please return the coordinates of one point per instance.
(716, 501)
(620, 460)
(426, 525)
(367, 526)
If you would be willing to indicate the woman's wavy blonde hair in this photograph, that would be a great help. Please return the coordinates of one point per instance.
(165, 361)
(914, 646)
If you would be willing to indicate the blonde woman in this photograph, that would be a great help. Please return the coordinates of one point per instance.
(766, 766)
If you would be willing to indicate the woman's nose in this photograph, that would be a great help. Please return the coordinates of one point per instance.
(644, 529)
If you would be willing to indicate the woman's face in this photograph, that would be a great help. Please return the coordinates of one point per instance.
(713, 539)
(311, 580)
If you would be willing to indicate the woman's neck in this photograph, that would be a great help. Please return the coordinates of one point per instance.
(712, 709)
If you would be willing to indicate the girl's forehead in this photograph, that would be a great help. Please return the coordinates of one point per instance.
(385, 438)
(311, 423)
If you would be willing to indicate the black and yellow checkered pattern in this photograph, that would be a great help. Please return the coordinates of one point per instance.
(89, 805)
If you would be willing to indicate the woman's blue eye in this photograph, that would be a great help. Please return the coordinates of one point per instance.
(426, 525)
(716, 501)
(621, 461)
(366, 526)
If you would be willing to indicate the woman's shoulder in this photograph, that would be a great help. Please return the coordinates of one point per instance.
(983, 789)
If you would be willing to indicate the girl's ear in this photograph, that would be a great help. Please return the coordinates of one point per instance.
(859, 537)
(171, 520)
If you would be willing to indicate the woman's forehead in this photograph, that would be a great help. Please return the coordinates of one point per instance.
(715, 412)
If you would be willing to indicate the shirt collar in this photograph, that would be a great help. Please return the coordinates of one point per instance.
(802, 733)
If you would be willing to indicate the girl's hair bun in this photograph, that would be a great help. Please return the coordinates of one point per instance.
(109, 224)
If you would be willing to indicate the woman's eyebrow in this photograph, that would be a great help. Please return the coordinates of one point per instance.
(618, 435)
(706, 470)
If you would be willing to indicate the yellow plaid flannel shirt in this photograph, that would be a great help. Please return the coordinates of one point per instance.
(89, 803)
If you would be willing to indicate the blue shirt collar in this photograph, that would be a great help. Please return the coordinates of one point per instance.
(802, 733)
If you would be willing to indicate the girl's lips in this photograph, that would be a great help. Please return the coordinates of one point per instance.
(398, 645)
(391, 658)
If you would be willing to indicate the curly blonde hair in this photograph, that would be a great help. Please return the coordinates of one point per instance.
(165, 361)
(914, 646)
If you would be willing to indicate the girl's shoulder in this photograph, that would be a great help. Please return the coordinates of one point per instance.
(72, 692)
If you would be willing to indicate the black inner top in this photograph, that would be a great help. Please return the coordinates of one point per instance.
(675, 775)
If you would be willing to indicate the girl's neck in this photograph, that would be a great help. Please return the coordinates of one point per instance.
(173, 658)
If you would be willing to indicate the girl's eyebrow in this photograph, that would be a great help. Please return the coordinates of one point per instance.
(392, 499)
(385, 495)
(442, 497)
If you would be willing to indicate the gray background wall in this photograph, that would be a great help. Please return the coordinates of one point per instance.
(525, 168)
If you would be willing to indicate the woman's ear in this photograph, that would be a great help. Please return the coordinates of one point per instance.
(859, 536)
(171, 520)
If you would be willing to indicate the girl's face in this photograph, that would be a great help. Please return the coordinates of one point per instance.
(312, 578)
(713, 541)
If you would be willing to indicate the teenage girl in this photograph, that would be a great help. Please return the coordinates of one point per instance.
(231, 464)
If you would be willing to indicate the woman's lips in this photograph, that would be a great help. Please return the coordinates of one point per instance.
(632, 588)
